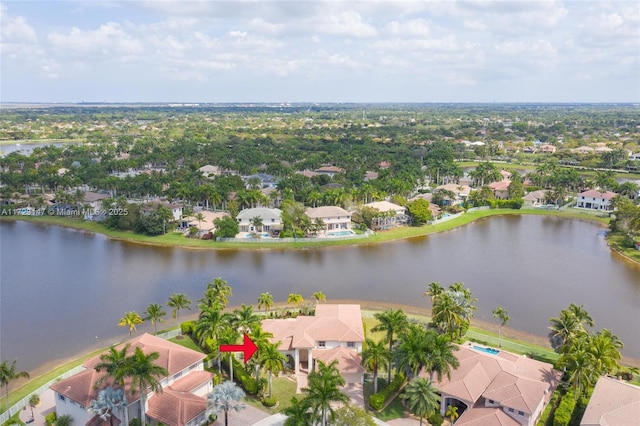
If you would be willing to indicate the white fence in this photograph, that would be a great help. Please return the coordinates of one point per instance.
(24, 402)
(294, 240)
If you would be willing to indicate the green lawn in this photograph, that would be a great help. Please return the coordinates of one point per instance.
(615, 242)
(283, 390)
(177, 239)
(187, 342)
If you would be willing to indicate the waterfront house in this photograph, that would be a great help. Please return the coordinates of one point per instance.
(176, 209)
(594, 199)
(335, 332)
(206, 224)
(497, 387)
(500, 189)
(334, 217)
(329, 170)
(182, 401)
(535, 198)
(266, 180)
(395, 215)
(613, 402)
(271, 220)
(460, 191)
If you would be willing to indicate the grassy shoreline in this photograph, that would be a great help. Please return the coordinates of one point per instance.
(513, 340)
(178, 240)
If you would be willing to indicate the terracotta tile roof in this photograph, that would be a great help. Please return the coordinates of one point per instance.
(594, 193)
(342, 323)
(173, 357)
(385, 206)
(191, 381)
(174, 408)
(486, 416)
(511, 380)
(81, 387)
(348, 360)
(503, 185)
(97, 421)
(613, 403)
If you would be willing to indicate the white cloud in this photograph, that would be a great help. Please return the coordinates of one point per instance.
(109, 40)
(16, 30)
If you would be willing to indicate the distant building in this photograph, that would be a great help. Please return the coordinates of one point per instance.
(594, 199)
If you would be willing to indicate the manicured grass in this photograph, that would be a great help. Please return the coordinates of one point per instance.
(615, 242)
(177, 239)
(395, 410)
(283, 390)
(32, 385)
(187, 342)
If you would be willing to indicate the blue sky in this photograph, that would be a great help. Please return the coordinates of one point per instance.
(312, 51)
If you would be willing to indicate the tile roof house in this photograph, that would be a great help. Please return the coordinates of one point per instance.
(335, 332)
(613, 403)
(492, 387)
(535, 198)
(594, 199)
(334, 217)
(206, 224)
(182, 401)
(271, 219)
(329, 170)
(500, 189)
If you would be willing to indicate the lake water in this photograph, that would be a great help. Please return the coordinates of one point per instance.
(27, 148)
(63, 291)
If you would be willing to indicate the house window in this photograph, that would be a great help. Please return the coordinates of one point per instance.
(521, 413)
(351, 344)
(322, 344)
(177, 375)
(511, 410)
(61, 397)
(491, 401)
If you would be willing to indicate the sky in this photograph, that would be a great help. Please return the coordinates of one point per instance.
(320, 51)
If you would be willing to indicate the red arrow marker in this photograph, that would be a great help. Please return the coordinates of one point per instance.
(249, 348)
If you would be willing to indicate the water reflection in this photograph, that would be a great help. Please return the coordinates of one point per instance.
(62, 287)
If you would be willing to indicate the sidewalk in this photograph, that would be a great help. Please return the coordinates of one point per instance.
(46, 406)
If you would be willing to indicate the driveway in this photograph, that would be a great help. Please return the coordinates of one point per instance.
(355, 392)
(248, 416)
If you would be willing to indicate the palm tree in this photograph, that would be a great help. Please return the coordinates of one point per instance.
(503, 315)
(324, 388)
(217, 293)
(144, 376)
(115, 363)
(297, 413)
(374, 357)
(564, 330)
(446, 314)
(440, 355)
(130, 319)
(109, 400)
(224, 397)
(434, 291)
(260, 339)
(178, 301)
(392, 322)
(421, 398)
(581, 315)
(257, 222)
(265, 300)
(244, 319)
(209, 328)
(319, 296)
(452, 413)
(604, 347)
(34, 400)
(271, 360)
(579, 364)
(199, 217)
(154, 313)
(412, 352)
(64, 420)
(295, 299)
(8, 373)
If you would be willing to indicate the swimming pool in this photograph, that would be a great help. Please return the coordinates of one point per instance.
(489, 351)
(258, 235)
(340, 233)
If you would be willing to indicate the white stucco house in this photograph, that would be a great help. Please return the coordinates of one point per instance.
(334, 217)
(335, 332)
(594, 199)
(182, 401)
(271, 220)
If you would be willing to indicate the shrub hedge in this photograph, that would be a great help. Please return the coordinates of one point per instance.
(188, 327)
(377, 400)
(562, 415)
(269, 402)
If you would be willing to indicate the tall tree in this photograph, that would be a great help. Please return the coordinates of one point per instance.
(218, 292)
(503, 316)
(265, 300)
(434, 291)
(155, 314)
(226, 397)
(323, 390)
(34, 400)
(115, 363)
(297, 413)
(375, 356)
(440, 355)
(271, 360)
(9, 373)
(295, 299)
(422, 398)
(412, 352)
(392, 322)
(244, 319)
(130, 319)
(178, 301)
(144, 375)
